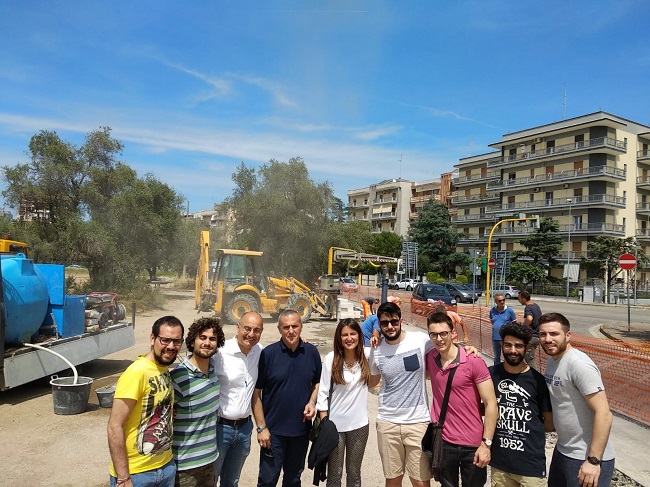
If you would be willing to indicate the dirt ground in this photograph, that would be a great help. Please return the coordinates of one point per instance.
(41, 448)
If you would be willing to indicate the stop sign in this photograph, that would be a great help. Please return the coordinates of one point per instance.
(627, 262)
(492, 263)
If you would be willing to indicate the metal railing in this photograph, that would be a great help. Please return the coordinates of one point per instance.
(459, 200)
(642, 154)
(572, 174)
(557, 203)
(473, 218)
(598, 142)
(477, 177)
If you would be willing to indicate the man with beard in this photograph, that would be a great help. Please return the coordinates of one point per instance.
(518, 446)
(140, 425)
(403, 414)
(584, 454)
(466, 437)
(236, 366)
(196, 402)
(284, 403)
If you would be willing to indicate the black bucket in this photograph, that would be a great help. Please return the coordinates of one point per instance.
(105, 396)
(68, 397)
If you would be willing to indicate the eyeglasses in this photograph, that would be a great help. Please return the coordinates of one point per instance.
(385, 323)
(166, 341)
(500, 300)
(442, 335)
(248, 330)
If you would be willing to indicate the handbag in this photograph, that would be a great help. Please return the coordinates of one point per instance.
(313, 433)
(432, 439)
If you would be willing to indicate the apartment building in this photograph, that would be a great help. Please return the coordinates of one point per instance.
(391, 205)
(590, 173)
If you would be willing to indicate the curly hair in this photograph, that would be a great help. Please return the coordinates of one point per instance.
(201, 325)
(517, 330)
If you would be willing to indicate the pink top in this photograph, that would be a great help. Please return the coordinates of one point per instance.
(463, 423)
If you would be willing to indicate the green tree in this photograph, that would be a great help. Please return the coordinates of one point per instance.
(281, 211)
(436, 238)
(602, 257)
(388, 244)
(542, 247)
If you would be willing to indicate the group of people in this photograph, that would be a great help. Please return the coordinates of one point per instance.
(495, 416)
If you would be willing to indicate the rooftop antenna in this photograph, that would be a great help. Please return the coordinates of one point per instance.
(400, 166)
(471, 145)
(564, 111)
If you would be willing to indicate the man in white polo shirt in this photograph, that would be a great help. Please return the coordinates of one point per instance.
(236, 366)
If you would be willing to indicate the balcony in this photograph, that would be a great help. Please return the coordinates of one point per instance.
(424, 199)
(384, 216)
(358, 205)
(473, 218)
(643, 183)
(557, 204)
(379, 201)
(475, 198)
(476, 178)
(643, 155)
(643, 209)
(471, 239)
(606, 144)
(642, 234)
(597, 172)
(592, 229)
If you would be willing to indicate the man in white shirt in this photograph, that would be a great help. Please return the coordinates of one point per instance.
(403, 414)
(236, 366)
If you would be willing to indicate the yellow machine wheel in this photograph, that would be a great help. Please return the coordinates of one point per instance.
(240, 304)
(301, 304)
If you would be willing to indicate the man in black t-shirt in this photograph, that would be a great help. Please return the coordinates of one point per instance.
(518, 455)
(532, 312)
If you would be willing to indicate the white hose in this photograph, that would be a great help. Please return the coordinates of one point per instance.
(74, 370)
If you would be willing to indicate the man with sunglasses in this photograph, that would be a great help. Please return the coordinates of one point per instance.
(403, 414)
(466, 437)
(236, 366)
(140, 425)
(500, 315)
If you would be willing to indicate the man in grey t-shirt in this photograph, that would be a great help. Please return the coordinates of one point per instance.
(584, 455)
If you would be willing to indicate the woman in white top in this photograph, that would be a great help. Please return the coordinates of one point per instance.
(347, 368)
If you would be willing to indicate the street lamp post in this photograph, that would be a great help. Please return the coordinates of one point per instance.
(568, 255)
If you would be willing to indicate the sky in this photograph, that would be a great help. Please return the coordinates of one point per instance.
(363, 91)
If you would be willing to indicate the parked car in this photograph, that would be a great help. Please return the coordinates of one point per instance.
(391, 283)
(348, 284)
(406, 284)
(460, 292)
(433, 292)
(477, 289)
(507, 291)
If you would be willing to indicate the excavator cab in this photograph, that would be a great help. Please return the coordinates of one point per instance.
(241, 268)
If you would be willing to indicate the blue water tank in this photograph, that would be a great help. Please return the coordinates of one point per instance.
(25, 298)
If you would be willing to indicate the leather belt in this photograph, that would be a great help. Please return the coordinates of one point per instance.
(234, 422)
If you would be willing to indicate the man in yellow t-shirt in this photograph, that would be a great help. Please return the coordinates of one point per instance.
(140, 425)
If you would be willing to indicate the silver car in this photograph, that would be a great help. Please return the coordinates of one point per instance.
(508, 292)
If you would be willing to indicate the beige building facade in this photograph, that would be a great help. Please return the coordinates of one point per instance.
(391, 205)
(590, 173)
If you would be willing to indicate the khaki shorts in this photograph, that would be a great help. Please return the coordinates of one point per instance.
(400, 450)
(505, 479)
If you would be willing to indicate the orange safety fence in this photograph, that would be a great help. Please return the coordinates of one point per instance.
(624, 365)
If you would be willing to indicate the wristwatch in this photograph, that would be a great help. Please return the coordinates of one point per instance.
(487, 442)
(261, 428)
(593, 460)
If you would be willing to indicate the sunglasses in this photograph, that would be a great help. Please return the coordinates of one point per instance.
(500, 300)
(385, 323)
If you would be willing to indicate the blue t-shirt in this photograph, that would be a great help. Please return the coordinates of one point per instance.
(286, 379)
(499, 319)
(371, 323)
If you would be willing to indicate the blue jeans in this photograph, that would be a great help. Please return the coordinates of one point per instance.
(164, 476)
(287, 455)
(455, 459)
(234, 444)
(496, 347)
(564, 471)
